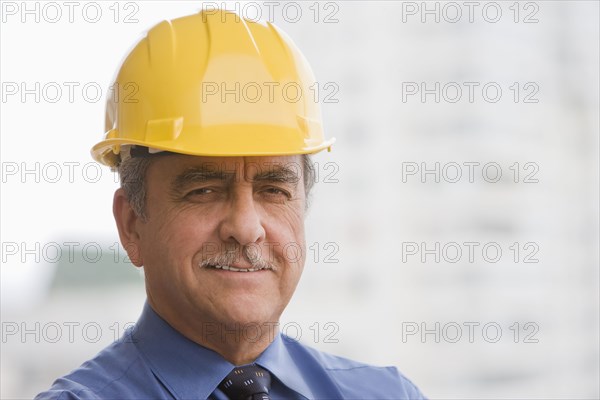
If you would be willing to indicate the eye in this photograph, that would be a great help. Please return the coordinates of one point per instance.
(200, 192)
(277, 193)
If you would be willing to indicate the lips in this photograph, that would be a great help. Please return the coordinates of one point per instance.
(243, 260)
(229, 268)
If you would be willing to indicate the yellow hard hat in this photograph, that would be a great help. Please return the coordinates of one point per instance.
(213, 84)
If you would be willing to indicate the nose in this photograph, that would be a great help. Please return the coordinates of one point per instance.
(242, 223)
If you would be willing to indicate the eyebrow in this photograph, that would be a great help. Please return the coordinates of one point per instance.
(280, 174)
(199, 174)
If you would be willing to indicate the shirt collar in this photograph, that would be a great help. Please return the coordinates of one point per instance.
(176, 361)
(278, 360)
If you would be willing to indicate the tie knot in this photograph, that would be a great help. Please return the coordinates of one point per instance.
(247, 382)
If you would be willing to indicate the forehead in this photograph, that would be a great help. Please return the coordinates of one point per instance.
(241, 167)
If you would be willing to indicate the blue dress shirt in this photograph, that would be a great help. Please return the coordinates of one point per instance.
(154, 361)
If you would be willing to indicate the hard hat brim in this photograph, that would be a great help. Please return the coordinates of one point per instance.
(107, 152)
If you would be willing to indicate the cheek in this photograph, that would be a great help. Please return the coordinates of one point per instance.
(292, 223)
(174, 238)
(287, 231)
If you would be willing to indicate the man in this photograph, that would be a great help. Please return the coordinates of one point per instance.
(212, 146)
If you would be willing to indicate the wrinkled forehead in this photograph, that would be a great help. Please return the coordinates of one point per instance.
(178, 166)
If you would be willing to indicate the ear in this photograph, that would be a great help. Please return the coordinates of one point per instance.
(128, 224)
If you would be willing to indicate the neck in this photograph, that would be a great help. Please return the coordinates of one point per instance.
(238, 343)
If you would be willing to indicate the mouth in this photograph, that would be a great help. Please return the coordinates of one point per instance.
(234, 269)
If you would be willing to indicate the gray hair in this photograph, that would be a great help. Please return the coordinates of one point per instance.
(132, 174)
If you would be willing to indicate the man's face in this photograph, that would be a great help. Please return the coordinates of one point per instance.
(205, 211)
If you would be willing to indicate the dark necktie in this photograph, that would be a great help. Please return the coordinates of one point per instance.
(249, 382)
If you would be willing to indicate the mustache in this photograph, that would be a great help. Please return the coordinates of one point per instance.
(230, 256)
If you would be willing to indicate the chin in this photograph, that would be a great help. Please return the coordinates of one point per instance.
(246, 315)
